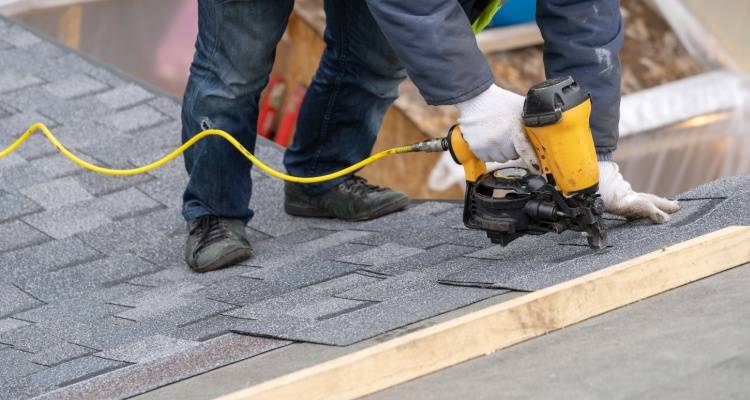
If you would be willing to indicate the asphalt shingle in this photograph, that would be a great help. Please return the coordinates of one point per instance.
(81, 135)
(157, 142)
(176, 311)
(23, 263)
(22, 366)
(206, 356)
(76, 86)
(140, 117)
(14, 205)
(85, 307)
(136, 236)
(6, 111)
(164, 191)
(17, 124)
(305, 273)
(241, 290)
(99, 185)
(72, 371)
(72, 281)
(307, 295)
(362, 323)
(102, 150)
(167, 106)
(722, 188)
(305, 250)
(148, 349)
(14, 300)
(124, 96)
(61, 223)
(5, 45)
(57, 194)
(16, 234)
(46, 50)
(58, 376)
(12, 160)
(34, 338)
(19, 176)
(20, 37)
(75, 63)
(59, 354)
(381, 254)
(207, 328)
(179, 274)
(9, 324)
(390, 288)
(421, 261)
(328, 308)
(11, 80)
(56, 166)
(125, 203)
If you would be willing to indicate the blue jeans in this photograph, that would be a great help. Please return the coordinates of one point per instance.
(342, 111)
(583, 39)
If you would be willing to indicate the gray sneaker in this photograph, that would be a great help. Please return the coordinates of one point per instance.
(353, 199)
(215, 243)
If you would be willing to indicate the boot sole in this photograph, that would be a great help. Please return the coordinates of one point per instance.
(227, 260)
(311, 212)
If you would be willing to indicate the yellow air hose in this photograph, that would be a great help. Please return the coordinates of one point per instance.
(429, 145)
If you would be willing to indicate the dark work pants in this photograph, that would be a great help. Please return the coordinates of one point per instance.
(583, 39)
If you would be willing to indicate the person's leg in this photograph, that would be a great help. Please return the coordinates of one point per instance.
(583, 39)
(342, 111)
(234, 55)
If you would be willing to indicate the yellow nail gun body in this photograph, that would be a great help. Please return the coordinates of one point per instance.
(511, 202)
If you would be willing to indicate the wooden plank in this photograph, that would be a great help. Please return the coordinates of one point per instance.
(509, 38)
(69, 28)
(485, 331)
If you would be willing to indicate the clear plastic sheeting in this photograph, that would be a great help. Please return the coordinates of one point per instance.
(676, 136)
(671, 160)
(681, 100)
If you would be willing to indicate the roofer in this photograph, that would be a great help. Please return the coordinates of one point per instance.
(371, 46)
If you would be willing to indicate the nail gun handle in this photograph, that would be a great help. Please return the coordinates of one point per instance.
(462, 155)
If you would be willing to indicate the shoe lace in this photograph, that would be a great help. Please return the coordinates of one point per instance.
(211, 230)
(359, 185)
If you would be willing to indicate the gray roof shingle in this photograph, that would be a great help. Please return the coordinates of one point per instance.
(97, 301)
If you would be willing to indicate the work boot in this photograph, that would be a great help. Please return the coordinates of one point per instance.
(353, 199)
(215, 243)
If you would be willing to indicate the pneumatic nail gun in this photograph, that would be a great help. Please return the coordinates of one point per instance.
(511, 202)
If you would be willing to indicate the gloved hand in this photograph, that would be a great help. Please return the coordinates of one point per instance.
(620, 199)
(491, 122)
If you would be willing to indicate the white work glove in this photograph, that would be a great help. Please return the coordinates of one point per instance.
(620, 199)
(491, 123)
